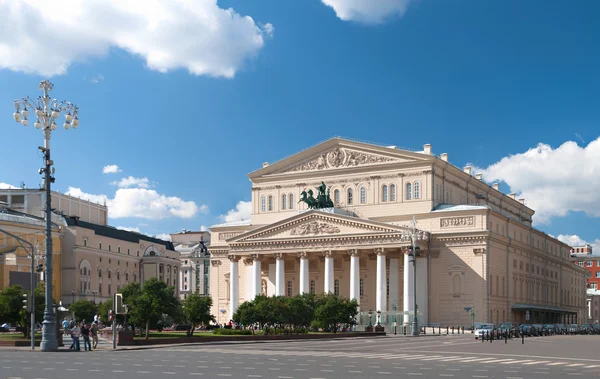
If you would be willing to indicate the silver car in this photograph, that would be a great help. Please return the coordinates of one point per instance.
(484, 329)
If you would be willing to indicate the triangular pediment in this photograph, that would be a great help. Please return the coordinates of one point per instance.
(337, 154)
(315, 224)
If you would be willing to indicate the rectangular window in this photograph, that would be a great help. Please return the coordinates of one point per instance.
(119, 249)
(109, 247)
(580, 263)
(127, 251)
(85, 242)
(597, 274)
(336, 287)
(590, 263)
(312, 289)
(100, 245)
(361, 289)
(593, 286)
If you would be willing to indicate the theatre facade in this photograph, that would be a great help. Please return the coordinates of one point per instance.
(478, 254)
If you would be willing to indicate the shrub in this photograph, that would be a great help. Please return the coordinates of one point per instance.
(232, 332)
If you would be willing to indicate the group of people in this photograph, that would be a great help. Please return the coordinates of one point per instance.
(85, 330)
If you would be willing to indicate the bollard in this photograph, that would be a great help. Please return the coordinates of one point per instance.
(425, 330)
(463, 330)
(452, 330)
(404, 329)
(522, 339)
(492, 337)
(439, 330)
(506, 337)
(447, 330)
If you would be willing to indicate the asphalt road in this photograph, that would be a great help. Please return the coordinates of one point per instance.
(426, 357)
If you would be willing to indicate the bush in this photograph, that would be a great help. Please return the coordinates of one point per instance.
(233, 332)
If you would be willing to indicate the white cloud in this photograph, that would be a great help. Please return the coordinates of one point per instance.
(129, 229)
(575, 240)
(203, 228)
(7, 186)
(111, 169)
(368, 11)
(554, 182)
(242, 211)
(97, 79)
(131, 181)
(195, 35)
(142, 203)
(163, 236)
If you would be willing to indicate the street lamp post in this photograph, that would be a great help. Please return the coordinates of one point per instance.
(415, 234)
(47, 110)
(73, 294)
(94, 293)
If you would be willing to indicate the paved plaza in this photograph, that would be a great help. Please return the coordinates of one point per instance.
(404, 357)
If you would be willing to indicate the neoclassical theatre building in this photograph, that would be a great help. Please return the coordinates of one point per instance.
(479, 254)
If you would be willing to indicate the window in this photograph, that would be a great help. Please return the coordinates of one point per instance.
(126, 276)
(437, 193)
(456, 286)
(119, 249)
(363, 195)
(270, 203)
(100, 245)
(417, 190)
(350, 196)
(127, 251)
(361, 287)
(597, 274)
(336, 287)
(291, 197)
(387, 287)
(99, 274)
(593, 286)
(85, 242)
(580, 263)
(312, 289)
(384, 191)
(283, 201)
(118, 275)
(408, 191)
(109, 247)
(393, 192)
(336, 196)
(590, 263)
(263, 203)
(109, 289)
(109, 277)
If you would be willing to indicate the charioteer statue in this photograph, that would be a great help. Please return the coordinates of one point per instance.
(323, 199)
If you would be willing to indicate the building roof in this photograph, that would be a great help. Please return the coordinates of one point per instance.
(460, 207)
(10, 215)
(112, 232)
(233, 223)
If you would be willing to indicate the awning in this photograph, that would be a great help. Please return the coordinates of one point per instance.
(533, 307)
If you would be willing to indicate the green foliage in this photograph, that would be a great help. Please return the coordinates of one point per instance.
(103, 309)
(84, 310)
(11, 305)
(294, 315)
(232, 332)
(196, 310)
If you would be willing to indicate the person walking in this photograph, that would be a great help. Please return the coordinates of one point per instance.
(75, 335)
(94, 332)
(85, 332)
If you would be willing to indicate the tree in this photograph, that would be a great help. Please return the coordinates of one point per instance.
(84, 310)
(246, 314)
(154, 300)
(196, 310)
(11, 305)
(335, 311)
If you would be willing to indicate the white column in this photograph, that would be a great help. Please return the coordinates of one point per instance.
(328, 272)
(234, 295)
(279, 275)
(249, 280)
(304, 286)
(381, 296)
(393, 298)
(181, 280)
(256, 276)
(408, 298)
(354, 275)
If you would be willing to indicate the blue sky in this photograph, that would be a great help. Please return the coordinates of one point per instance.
(186, 102)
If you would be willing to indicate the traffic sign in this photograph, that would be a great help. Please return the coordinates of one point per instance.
(527, 315)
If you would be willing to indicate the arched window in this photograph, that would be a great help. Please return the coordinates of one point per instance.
(408, 191)
(126, 276)
(336, 287)
(393, 192)
(109, 274)
(291, 199)
(283, 201)
(336, 196)
(289, 288)
(85, 271)
(350, 197)
(313, 287)
(417, 190)
(270, 203)
(361, 287)
(384, 191)
(263, 203)
(363, 195)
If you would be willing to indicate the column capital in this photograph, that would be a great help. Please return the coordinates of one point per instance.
(255, 257)
(248, 261)
(215, 263)
(353, 252)
(379, 251)
(328, 253)
(303, 255)
(278, 256)
(233, 258)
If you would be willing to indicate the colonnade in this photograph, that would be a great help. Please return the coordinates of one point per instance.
(381, 296)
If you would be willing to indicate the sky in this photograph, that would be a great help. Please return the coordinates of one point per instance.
(180, 100)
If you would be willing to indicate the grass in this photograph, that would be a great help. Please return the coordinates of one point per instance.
(16, 336)
(183, 334)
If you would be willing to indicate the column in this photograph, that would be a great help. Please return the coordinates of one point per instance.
(256, 276)
(279, 275)
(381, 296)
(234, 295)
(354, 275)
(181, 280)
(393, 298)
(249, 279)
(304, 283)
(328, 272)
(408, 289)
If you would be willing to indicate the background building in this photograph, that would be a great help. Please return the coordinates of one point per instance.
(482, 253)
(593, 306)
(583, 257)
(195, 261)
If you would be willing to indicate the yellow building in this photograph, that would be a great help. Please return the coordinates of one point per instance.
(15, 261)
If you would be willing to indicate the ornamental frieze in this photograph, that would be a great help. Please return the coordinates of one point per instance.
(314, 227)
(226, 236)
(331, 243)
(457, 222)
(339, 157)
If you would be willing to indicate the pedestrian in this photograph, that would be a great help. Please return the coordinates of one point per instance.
(96, 318)
(65, 325)
(94, 331)
(71, 324)
(85, 332)
(75, 335)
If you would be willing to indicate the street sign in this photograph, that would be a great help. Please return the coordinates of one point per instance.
(527, 315)
(468, 309)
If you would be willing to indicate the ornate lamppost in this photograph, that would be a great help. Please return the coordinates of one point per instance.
(415, 235)
(47, 110)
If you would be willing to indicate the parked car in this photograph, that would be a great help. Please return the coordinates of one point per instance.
(484, 330)
(509, 327)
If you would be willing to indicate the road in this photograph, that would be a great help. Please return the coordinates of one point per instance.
(383, 357)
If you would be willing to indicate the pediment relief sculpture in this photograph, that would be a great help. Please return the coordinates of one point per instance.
(340, 157)
(314, 227)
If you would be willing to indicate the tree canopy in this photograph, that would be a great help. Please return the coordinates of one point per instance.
(196, 310)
